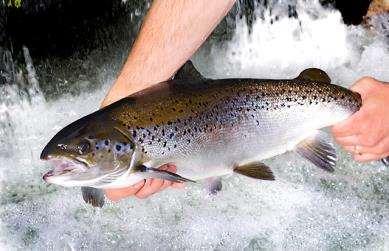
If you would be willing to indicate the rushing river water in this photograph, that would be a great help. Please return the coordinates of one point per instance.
(304, 208)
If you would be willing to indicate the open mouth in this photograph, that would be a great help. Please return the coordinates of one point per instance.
(63, 166)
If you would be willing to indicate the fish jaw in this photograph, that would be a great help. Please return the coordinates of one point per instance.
(64, 170)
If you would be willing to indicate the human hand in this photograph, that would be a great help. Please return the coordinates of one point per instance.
(144, 188)
(366, 133)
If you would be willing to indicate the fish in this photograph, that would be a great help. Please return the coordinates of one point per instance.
(207, 128)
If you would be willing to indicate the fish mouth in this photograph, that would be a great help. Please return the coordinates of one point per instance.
(64, 166)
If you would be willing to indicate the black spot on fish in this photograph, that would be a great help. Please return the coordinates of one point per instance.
(134, 134)
(163, 132)
(169, 122)
(171, 135)
(151, 119)
(118, 147)
(164, 144)
(155, 128)
(176, 128)
(106, 142)
(188, 140)
(175, 146)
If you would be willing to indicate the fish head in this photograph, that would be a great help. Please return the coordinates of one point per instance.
(91, 151)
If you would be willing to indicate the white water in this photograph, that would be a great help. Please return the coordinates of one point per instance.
(304, 208)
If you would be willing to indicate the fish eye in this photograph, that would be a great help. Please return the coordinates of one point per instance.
(119, 147)
(83, 147)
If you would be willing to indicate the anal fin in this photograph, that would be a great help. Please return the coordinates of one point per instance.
(213, 185)
(93, 196)
(256, 170)
(319, 150)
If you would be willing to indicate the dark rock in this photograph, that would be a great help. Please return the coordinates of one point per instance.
(352, 11)
(63, 27)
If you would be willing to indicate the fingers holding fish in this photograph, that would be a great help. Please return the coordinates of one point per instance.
(348, 127)
(120, 193)
(366, 133)
(367, 157)
(153, 186)
(365, 139)
(364, 86)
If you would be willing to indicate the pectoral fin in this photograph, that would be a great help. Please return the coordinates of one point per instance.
(319, 150)
(256, 170)
(93, 196)
(155, 173)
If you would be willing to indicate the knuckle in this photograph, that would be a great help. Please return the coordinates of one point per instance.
(367, 79)
(370, 141)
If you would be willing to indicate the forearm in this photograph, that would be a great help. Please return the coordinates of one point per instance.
(171, 32)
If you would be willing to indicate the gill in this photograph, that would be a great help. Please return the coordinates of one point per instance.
(122, 170)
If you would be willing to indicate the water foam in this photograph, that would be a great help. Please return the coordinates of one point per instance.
(303, 209)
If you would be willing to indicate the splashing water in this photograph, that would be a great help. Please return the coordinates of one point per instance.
(303, 209)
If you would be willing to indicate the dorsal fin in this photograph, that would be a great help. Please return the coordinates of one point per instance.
(188, 71)
(315, 74)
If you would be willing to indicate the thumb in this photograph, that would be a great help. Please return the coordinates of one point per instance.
(364, 85)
